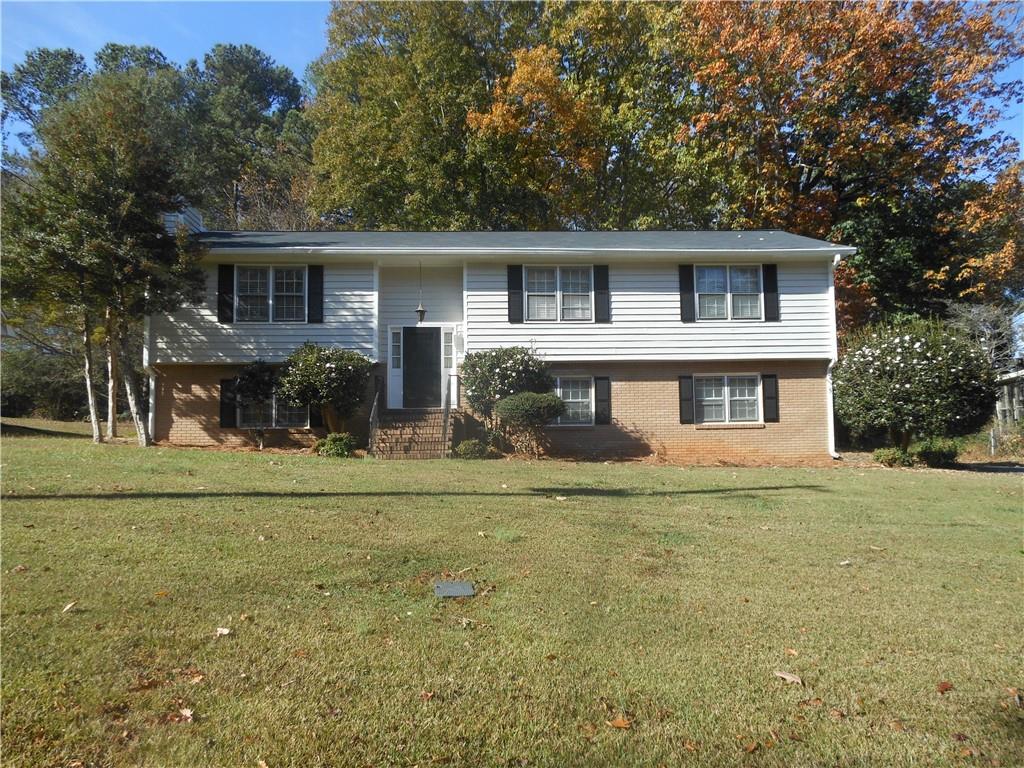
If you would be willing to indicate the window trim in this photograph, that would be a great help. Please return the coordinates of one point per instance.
(558, 292)
(273, 417)
(558, 391)
(727, 399)
(728, 295)
(271, 291)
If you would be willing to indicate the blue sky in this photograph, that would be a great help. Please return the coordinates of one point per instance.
(293, 33)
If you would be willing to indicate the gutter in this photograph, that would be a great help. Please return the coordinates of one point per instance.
(829, 403)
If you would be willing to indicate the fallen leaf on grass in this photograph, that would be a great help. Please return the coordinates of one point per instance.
(897, 725)
(968, 752)
(561, 498)
(186, 715)
(792, 652)
(789, 678)
(815, 702)
(837, 714)
(70, 606)
(845, 562)
(161, 593)
(19, 569)
(873, 548)
(690, 746)
(223, 631)
(960, 737)
(619, 722)
(426, 695)
(551, 657)
(944, 687)
(262, 764)
(751, 747)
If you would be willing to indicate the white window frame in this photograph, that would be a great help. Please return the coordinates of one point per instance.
(727, 398)
(273, 418)
(270, 293)
(558, 292)
(729, 293)
(395, 348)
(558, 391)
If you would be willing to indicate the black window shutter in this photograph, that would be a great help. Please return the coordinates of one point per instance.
(602, 299)
(316, 416)
(687, 308)
(770, 390)
(228, 401)
(602, 400)
(686, 400)
(315, 294)
(771, 292)
(515, 293)
(225, 293)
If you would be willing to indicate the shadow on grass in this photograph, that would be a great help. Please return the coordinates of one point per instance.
(992, 466)
(613, 493)
(17, 430)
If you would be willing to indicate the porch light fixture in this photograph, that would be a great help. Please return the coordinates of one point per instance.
(421, 311)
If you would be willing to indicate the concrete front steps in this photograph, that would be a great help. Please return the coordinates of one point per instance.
(412, 434)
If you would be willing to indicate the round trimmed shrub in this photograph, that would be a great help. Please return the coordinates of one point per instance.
(493, 374)
(471, 449)
(893, 457)
(333, 379)
(936, 452)
(913, 378)
(524, 416)
(338, 445)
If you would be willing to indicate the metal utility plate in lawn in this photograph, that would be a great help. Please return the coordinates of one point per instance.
(453, 589)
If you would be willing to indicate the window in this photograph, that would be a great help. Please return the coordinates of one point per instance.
(729, 292)
(396, 350)
(726, 398)
(272, 414)
(257, 303)
(579, 401)
(559, 293)
(448, 361)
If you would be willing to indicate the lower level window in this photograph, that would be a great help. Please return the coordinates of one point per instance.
(272, 414)
(578, 394)
(726, 398)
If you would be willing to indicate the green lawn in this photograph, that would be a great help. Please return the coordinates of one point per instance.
(665, 596)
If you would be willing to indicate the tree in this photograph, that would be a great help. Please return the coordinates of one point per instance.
(86, 231)
(913, 378)
(47, 77)
(993, 327)
(333, 380)
(493, 374)
(254, 386)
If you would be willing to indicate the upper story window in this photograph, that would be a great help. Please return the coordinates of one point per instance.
(276, 294)
(559, 293)
(724, 399)
(732, 292)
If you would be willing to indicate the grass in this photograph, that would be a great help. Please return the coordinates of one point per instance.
(665, 596)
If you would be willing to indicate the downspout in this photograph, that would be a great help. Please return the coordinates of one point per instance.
(829, 406)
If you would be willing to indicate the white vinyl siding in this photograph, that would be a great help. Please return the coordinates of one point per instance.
(578, 394)
(724, 399)
(193, 335)
(400, 294)
(645, 304)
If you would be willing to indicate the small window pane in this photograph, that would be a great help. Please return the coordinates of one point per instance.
(256, 415)
(746, 306)
(575, 280)
(711, 280)
(541, 280)
(541, 307)
(253, 294)
(575, 306)
(712, 306)
(289, 294)
(289, 415)
(742, 410)
(709, 392)
(396, 349)
(744, 279)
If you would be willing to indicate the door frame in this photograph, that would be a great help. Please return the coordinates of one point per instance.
(393, 386)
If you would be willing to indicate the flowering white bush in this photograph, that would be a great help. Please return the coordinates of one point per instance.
(913, 378)
(493, 374)
(333, 379)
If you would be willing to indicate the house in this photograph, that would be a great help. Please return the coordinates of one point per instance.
(699, 346)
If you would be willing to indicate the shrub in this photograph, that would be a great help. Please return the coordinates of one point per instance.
(936, 452)
(524, 416)
(41, 384)
(472, 449)
(254, 385)
(333, 379)
(893, 457)
(493, 374)
(337, 444)
(913, 377)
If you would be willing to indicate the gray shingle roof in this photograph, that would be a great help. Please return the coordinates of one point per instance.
(682, 241)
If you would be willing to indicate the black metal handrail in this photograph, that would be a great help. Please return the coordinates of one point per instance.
(445, 452)
(374, 421)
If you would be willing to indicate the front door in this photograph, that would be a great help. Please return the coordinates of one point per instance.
(421, 367)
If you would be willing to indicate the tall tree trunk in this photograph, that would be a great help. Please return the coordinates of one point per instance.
(94, 414)
(133, 391)
(113, 374)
